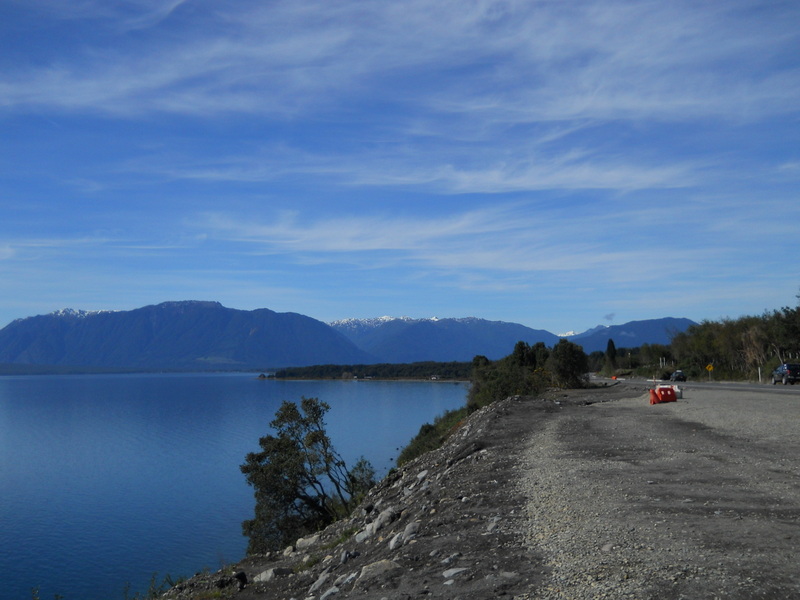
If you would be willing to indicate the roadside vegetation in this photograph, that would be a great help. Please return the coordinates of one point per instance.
(528, 370)
(743, 349)
(432, 435)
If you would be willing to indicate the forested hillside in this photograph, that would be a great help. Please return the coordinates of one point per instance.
(191, 335)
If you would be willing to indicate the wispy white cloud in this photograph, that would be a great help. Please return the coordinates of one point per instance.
(498, 62)
(109, 245)
(561, 172)
(501, 242)
(488, 97)
(293, 233)
(524, 165)
(125, 14)
(56, 244)
(150, 13)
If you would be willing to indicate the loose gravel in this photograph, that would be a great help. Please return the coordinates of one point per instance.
(694, 499)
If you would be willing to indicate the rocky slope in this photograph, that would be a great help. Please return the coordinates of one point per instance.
(447, 525)
(578, 495)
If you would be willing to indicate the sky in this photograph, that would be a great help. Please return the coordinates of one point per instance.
(560, 164)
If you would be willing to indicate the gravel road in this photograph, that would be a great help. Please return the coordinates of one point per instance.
(694, 499)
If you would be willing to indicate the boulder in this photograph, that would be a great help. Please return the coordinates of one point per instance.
(306, 543)
(270, 574)
(378, 569)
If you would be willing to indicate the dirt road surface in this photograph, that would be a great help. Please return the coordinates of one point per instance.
(694, 499)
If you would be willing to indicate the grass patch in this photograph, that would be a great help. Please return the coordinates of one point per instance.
(432, 436)
(345, 535)
(304, 566)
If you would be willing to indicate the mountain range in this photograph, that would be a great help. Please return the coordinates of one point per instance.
(404, 340)
(200, 335)
(632, 334)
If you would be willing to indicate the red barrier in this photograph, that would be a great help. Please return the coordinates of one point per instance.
(654, 399)
(667, 394)
(663, 394)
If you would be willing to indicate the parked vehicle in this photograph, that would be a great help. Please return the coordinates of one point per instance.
(677, 376)
(786, 373)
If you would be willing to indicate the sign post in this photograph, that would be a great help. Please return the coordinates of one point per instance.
(709, 368)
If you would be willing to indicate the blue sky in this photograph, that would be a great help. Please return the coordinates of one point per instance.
(556, 164)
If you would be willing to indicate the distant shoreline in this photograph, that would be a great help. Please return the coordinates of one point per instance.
(12, 370)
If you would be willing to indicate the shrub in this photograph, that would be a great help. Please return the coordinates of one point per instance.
(301, 482)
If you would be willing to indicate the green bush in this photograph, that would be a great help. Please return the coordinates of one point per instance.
(301, 482)
(432, 436)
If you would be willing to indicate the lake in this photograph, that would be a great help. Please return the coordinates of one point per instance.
(108, 479)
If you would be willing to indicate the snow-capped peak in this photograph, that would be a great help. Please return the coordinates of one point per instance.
(378, 321)
(78, 314)
(582, 333)
(372, 322)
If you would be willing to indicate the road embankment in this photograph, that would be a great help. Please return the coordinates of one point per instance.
(578, 495)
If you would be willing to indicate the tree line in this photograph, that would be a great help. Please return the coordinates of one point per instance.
(746, 348)
(741, 348)
(528, 370)
(418, 370)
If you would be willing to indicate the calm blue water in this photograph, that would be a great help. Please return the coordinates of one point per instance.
(107, 479)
